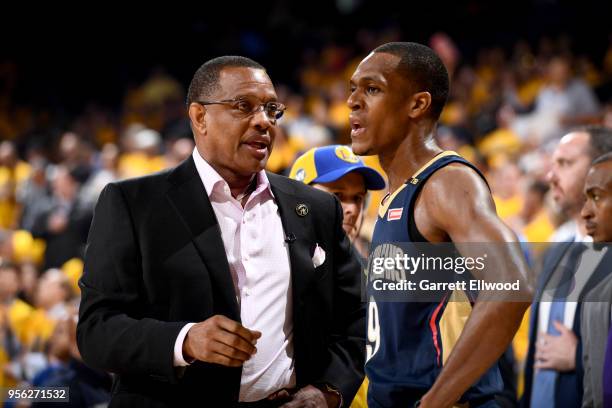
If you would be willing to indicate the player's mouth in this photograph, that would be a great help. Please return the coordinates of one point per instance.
(357, 127)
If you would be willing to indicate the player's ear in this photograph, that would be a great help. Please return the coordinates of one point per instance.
(197, 115)
(420, 102)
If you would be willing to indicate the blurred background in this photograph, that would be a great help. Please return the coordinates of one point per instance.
(100, 97)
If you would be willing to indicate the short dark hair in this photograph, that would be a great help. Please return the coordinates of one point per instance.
(600, 140)
(604, 158)
(205, 81)
(421, 66)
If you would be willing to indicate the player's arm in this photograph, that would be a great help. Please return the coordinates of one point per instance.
(456, 202)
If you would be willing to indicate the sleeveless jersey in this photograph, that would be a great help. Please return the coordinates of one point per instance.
(408, 342)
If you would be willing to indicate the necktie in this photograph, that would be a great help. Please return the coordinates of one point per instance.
(543, 394)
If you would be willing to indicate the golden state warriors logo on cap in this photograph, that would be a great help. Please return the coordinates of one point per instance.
(300, 175)
(346, 154)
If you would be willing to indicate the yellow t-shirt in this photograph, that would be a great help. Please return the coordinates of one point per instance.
(509, 207)
(540, 228)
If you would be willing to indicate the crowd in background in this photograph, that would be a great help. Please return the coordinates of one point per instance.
(506, 111)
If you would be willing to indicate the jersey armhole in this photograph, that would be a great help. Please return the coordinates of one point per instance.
(413, 231)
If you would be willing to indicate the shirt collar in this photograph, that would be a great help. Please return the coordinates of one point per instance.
(214, 182)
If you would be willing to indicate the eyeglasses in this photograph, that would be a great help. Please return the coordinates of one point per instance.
(247, 106)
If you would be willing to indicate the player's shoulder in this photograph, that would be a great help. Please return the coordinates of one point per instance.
(454, 189)
(456, 176)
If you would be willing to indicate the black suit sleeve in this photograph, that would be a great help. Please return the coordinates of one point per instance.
(347, 346)
(113, 332)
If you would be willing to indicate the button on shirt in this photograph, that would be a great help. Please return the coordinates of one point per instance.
(258, 258)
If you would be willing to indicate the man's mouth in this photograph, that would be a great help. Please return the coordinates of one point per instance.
(357, 130)
(556, 192)
(590, 227)
(258, 148)
(357, 127)
(257, 145)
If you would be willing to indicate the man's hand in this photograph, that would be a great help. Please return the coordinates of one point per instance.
(557, 352)
(220, 340)
(312, 397)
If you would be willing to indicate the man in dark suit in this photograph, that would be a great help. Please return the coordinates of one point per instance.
(597, 307)
(64, 223)
(553, 369)
(217, 283)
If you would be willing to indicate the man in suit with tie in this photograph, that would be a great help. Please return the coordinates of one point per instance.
(596, 309)
(553, 370)
(216, 282)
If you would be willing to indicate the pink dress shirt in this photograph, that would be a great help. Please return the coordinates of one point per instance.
(258, 258)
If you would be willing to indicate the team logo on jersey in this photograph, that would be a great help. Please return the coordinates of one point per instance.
(346, 154)
(394, 214)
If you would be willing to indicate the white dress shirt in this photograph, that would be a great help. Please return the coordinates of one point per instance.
(584, 270)
(259, 262)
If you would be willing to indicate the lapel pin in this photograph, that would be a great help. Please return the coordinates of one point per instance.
(301, 210)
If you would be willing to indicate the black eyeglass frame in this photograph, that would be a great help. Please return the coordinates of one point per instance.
(280, 108)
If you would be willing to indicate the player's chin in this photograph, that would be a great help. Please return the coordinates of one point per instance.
(361, 147)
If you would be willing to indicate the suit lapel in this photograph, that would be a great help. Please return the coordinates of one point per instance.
(299, 233)
(602, 270)
(191, 203)
(557, 252)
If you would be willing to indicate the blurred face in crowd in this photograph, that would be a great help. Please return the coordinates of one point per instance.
(52, 289)
(597, 209)
(60, 341)
(9, 283)
(64, 186)
(351, 192)
(559, 71)
(379, 105)
(8, 154)
(70, 146)
(507, 179)
(571, 162)
(109, 156)
(236, 144)
(180, 150)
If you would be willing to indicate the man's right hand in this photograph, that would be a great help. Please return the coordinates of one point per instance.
(220, 340)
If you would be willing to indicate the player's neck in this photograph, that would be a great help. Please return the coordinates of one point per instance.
(412, 154)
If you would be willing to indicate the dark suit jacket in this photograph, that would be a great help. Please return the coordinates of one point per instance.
(569, 387)
(155, 261)
(595, 326)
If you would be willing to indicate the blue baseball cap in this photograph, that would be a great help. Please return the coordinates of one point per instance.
(330, 163)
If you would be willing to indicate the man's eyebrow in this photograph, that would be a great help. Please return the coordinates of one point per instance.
(375, 78)
(592, 189)
(369, 77)
(247, 95)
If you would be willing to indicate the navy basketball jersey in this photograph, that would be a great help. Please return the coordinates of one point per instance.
(408, 342)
